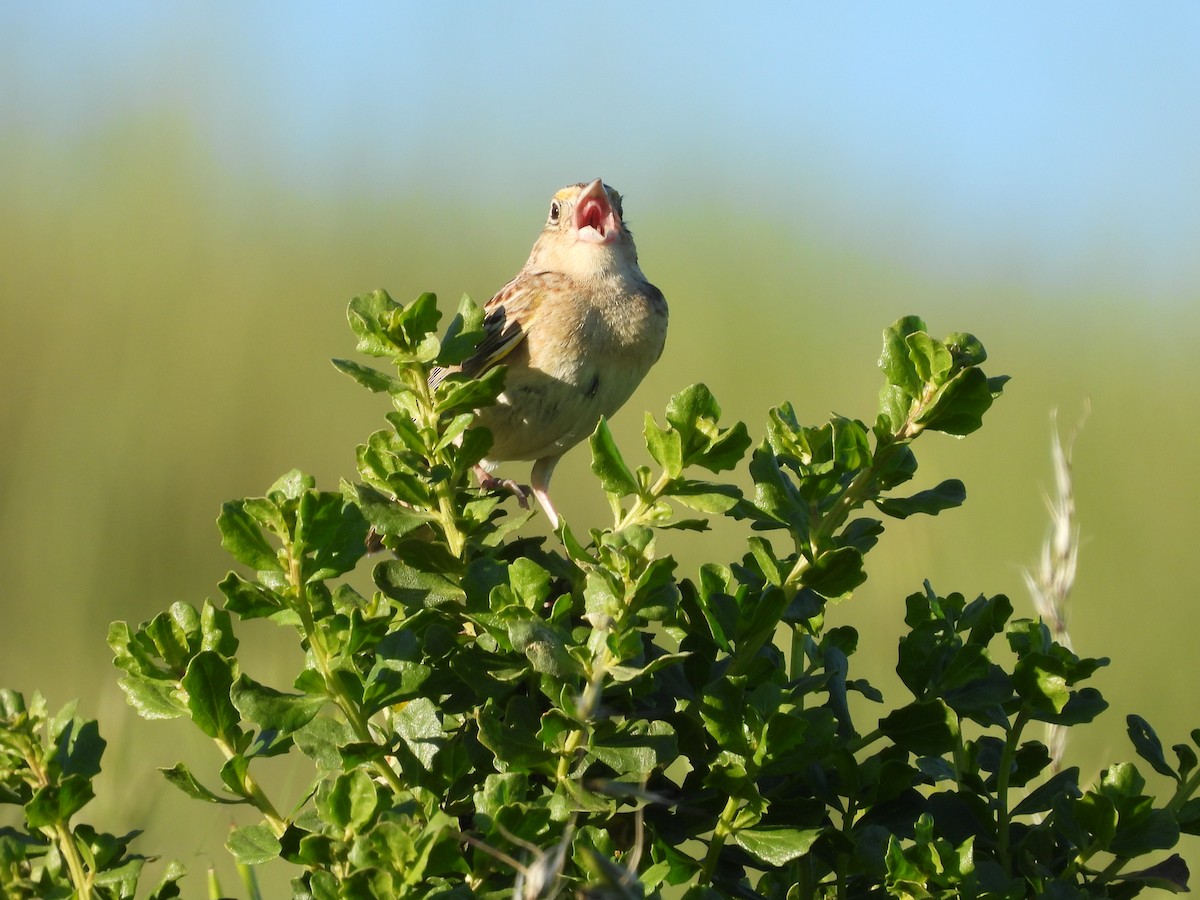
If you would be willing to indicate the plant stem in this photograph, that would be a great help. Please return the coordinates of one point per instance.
(61, 831)
(1002, 779)
(443, 489)
(79, 875)
(333, 685)
(720, 834)
(255, 793)
(641, 506)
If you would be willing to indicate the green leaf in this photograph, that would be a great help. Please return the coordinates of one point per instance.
(253, 845)
(689, 409)
(726, 451)
(835, 573)
(722, 708)
(79, 748)
(415, 589)
(321, 741)
(366, 314)
(929, 356)
(895, 361)
(271, 709)
(665, 446)
(924, 728)
(372, 379)
(249, 600)
(414, 323)
(152, 698)
(704, 496)
(180, 776)
(55, 803)
(333, 531)
(608, 464)
(419, 724)
(351, 801)
(776, 847)
(463, 334)
(512, 735)
(774, 493)
(1148, 746)
(958, 409)
(637, 749)
(462, 393)
(1040, 680)
(242, 537)
(1062, 784)
(947, 495)
(208, 681)
(1169, 875)
(966, 349)
(1157, 829)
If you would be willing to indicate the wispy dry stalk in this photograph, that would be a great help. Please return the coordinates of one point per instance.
(1050, 582)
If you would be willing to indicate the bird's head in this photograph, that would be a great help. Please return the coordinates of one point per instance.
(585, 235)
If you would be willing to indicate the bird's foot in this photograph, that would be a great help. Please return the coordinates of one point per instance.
(490, 482)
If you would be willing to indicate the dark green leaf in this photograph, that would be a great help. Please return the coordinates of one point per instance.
(966, 349)
(947, 495)
(419, 724)
(207, 681)
(180, 776)
(333, 531)
(512, 735)
(463, 334)
(835, 573)
(924, 728)
(271, 709)
(366, 314)
(1148, 746)
(412, 588)
(959, 407)
(55, 803)
(79, 748)
(1169, 875)
(1062, 784)
(1156, 830)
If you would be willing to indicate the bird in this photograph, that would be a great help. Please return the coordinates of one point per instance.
(577, 329)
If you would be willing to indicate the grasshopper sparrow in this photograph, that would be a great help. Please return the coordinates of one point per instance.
(578, 329)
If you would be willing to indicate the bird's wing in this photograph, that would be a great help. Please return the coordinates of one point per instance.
(507, 318)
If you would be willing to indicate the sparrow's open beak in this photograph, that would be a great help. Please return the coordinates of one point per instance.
(596, 222)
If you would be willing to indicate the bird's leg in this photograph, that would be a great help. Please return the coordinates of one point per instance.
(539, 481)
(490, 482)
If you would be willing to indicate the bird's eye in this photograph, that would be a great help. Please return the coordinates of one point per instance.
(555, 212)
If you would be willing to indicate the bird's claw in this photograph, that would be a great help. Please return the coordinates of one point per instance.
(522, 492)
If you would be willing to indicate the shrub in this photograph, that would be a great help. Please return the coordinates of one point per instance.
(512, 716)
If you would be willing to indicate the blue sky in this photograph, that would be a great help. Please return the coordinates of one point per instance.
(1061, 136)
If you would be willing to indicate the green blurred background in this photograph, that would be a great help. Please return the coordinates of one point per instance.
(191, 193)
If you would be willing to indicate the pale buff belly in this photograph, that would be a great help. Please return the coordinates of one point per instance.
(541, 415)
